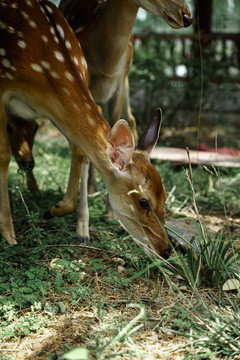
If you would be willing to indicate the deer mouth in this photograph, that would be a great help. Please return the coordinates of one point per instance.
(175, 24)
(187, 20)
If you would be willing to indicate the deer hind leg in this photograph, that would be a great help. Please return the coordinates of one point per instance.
(69, 202)
(6, 223)
(82, 232)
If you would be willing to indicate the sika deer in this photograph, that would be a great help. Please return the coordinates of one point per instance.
(104, 30)
(44, 74)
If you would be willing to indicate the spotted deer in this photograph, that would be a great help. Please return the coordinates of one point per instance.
(44, 75)
(104, 29)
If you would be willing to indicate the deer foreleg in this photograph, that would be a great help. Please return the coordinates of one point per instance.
(6, 223)
(82, 233)
(69, 202)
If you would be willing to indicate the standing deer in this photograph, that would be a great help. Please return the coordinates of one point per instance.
(44, 74)
(107, 44)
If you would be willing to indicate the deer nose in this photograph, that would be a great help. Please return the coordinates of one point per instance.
(187, 20)
(26, 165)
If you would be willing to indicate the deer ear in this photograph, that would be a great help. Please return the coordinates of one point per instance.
(121, 145)
(150, 136)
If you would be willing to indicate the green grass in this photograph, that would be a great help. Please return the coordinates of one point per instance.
(214, 188)
(49, 275)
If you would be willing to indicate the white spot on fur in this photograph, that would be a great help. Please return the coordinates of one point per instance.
(49, 9)
(61, 32)
(83, 61)
(28, 3)
(45, 39)
(42, 9)
(25, 15)
(2, 25)
(20, 33)
(88, 106)
(54, 74)
(22, 44)
(36, 67)
(69, 76)
(6, 63)
(45, 65)
(32, 24)
(91, 121)
(59, 56)
(11, 30)
(68, 44)
(56, 39)
(2, 52)
(75, 60)
(52, 31)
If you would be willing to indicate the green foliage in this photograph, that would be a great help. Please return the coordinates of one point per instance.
(77, 354)
(212, 335)
(214, 189)
(226, 16)
(210, 262)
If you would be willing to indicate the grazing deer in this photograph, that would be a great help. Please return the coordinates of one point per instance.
(21, 135)
(44, 75)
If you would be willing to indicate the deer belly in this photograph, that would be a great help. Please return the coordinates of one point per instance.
(103, 88)
(18, 107)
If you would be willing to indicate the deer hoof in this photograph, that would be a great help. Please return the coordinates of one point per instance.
(82, 239)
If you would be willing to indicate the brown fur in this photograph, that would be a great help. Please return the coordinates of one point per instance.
(49, 79)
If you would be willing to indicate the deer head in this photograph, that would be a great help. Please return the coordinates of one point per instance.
(138, 196)
(21, 134)
(175, 12)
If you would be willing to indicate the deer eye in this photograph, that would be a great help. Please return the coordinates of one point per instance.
(144, 203)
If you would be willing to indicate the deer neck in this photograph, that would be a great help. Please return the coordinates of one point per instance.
(88, 131)
(117, 22)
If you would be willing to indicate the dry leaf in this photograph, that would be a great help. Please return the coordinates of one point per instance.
(231, 284)
(54, 265)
